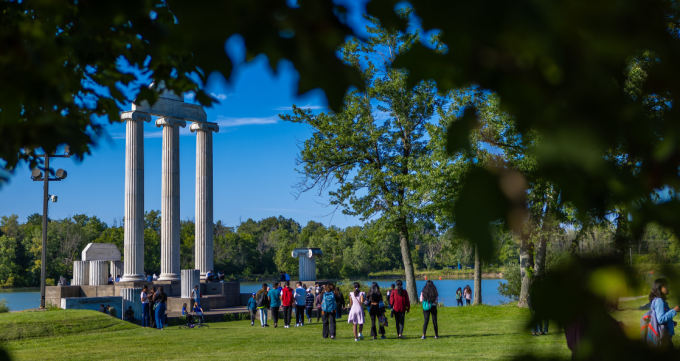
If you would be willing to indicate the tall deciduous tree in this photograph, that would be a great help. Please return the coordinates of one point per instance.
(370, 149)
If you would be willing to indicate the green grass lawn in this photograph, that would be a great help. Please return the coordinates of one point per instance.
(483, 332)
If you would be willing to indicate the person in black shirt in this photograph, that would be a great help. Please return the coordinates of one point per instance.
(161, 299)
(375, 311)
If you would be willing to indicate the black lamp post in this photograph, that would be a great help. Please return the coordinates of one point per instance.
(37, 176)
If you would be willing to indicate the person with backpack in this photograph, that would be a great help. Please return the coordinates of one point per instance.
(275, 303)
(263, 304)
(376, 309)
(287, 300)
(309, 304)
(401, 305)
(459, 297)
(317, 303)
(252, 308)
(430, 298)
(664, 327)
(328, 309)
(356, 312)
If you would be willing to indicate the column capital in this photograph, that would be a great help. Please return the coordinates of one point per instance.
(135, 116)
(170, 122)
(205, 127)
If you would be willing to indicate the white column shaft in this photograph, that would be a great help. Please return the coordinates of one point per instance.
(204, 202)
(170, 199)
(134, 196)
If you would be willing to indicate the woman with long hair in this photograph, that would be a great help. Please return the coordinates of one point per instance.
(262, 304)
(459, 297)
(160, 298)
(152, 309)
(664, 314)
(328, 308)
(467, 292)
(430, 298)
(375, 310)
(401, 305)
(356, 311)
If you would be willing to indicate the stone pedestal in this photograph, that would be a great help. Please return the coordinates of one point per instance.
(190, 279)
(170, 198)
(204, 196)
(307, 262)
(99, 273)
(81, 273)
(131, 297)
(116, 268)
(134, 195)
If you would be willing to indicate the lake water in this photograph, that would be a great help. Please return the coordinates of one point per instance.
(20, 299)
(24, 298)
(446, 288)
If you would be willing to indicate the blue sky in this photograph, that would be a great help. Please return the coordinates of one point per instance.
(254, 157)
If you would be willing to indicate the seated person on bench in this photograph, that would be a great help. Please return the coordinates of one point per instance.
(130, 314)
(187, 314)
(198, 311)
(209, 277)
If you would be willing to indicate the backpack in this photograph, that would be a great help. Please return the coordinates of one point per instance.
(262, 299)
(652, 333)
(427, 305)
(328, 304)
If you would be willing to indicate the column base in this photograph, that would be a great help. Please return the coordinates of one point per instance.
(132, 278)
(169, 277)
(204, 275)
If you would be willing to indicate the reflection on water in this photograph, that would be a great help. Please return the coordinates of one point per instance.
(446, 288)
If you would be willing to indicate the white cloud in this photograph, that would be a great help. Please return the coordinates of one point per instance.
(219, 96)
(308, 106)
(189, 95)
(223, 121)
(157, 134)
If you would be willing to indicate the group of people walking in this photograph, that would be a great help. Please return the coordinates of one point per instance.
(465, 293)
(329, 302)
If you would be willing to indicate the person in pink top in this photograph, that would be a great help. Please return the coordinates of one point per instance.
(356, 312)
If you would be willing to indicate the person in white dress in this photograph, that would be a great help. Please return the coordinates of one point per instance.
(356, 312)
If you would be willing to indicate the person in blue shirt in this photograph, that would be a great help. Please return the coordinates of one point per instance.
(664, 314)
(275, 302)
(300, 297)
(198, 311)
(187, 314)
(252, 307)
(149, 278)
(287, 276)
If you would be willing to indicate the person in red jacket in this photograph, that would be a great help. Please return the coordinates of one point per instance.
(401, 305)
(287, 301)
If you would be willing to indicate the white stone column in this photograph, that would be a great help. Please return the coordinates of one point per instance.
(204, 196)
(134, 195)
(170, 198)
(99, 273)
(190, 279)
(81, 273)
(131, 297)
(117, 269)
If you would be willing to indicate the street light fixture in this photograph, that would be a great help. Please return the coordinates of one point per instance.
(38, 176)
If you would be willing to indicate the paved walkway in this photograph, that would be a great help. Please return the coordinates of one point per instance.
(215, 311)
(624, 299)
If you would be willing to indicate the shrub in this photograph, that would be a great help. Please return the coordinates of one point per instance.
(4, 307)
(50, 282)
